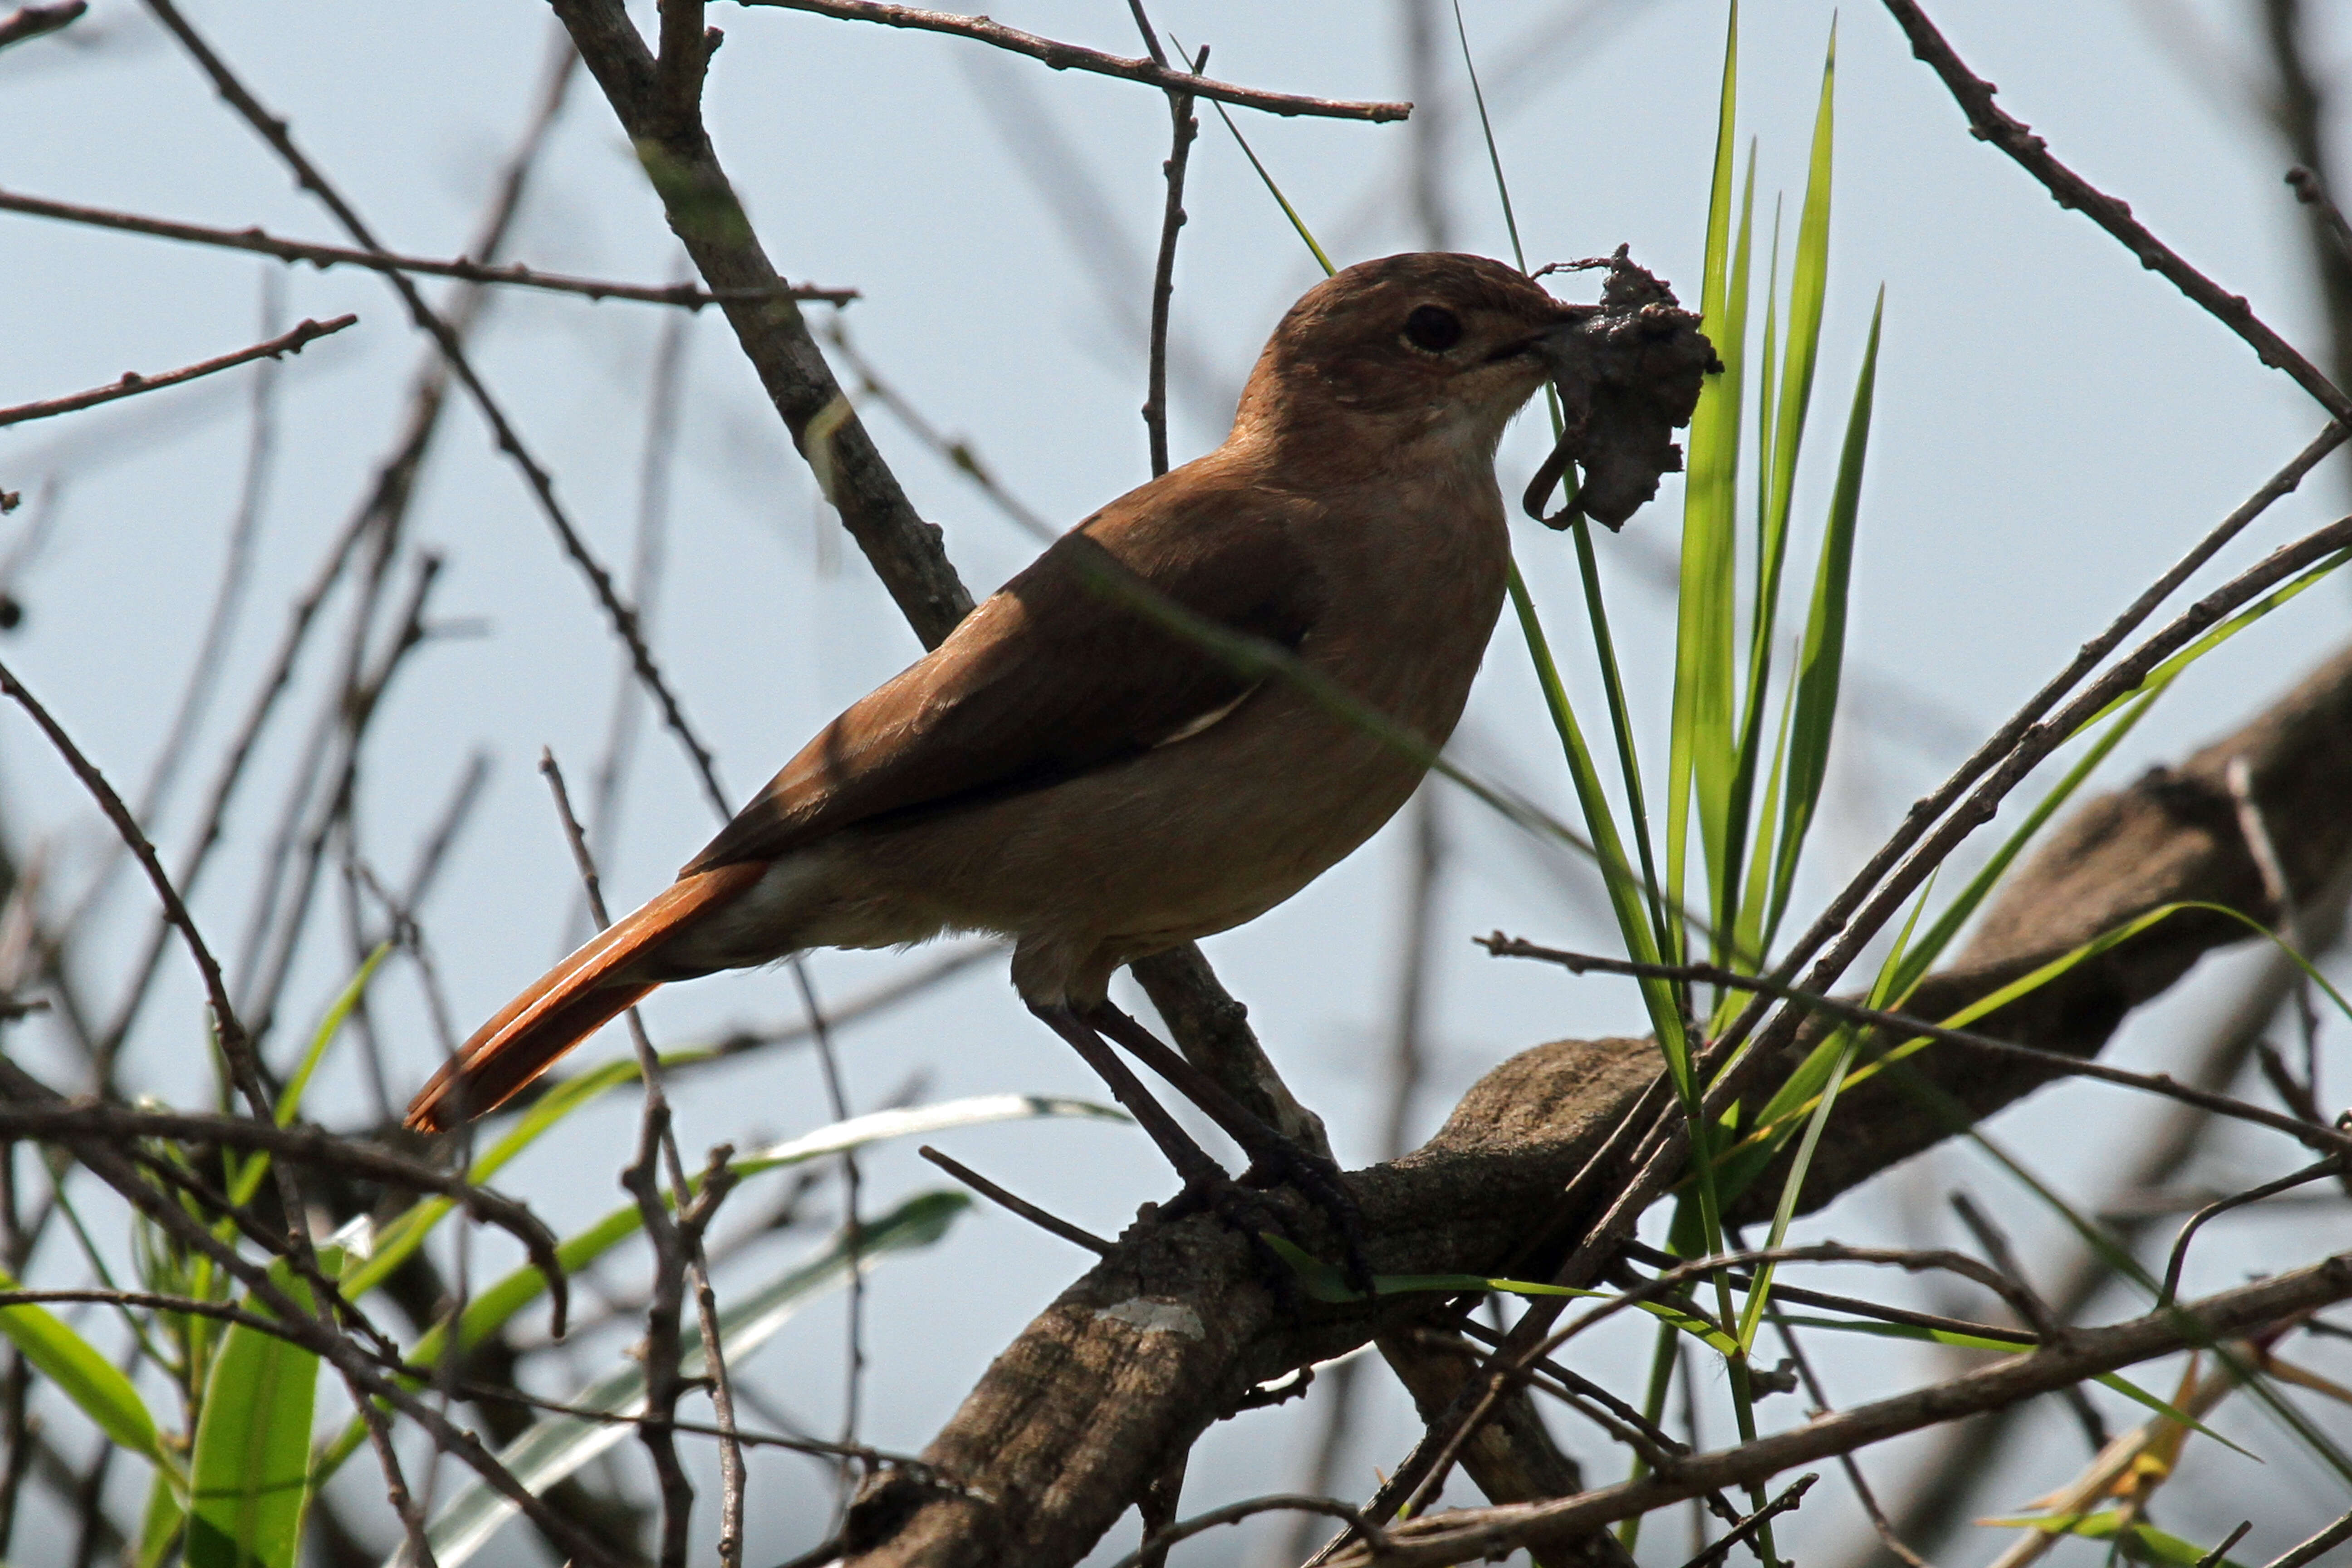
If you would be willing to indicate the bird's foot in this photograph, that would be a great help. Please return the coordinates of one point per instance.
(1243, 1209)
(1278, 1161)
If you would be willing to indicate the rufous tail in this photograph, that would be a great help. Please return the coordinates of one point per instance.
(569, 1003)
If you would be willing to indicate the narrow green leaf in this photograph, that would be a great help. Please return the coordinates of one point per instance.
(1487, 127)
(556, 1446)
(289, 1102)
(1713, 457)
(97, 1389)
(1808, 287)
(1609, 849)
(249, 1475)
(1752, 1314)
(1327, 1282)
(159, 1525)
(1274, 189)
(1822, 661)
(1708, 633)
(2153, 1544)
(1699, 761)
(2126, 712)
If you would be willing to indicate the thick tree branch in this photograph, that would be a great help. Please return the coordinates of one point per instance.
(1172, 1330)
(706, 216)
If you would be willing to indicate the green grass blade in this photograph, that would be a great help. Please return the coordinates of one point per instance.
(247, 1180)
(1822, 658)
(1700, 765)
(1487, 127)
(1624, 896)
(1808, 286)
(1668, 935)
(1752, 1313)
(84, 1377)
(1667, 929)
(1288, 211)
(249, 1473)
(289, 1102)
(159, 1522)
(558, 1446)
(1714, 454)
(1747, 936)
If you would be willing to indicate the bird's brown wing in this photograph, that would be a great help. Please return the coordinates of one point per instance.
(1057, 672)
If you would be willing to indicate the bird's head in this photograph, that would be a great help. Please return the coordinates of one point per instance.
(1404, 349)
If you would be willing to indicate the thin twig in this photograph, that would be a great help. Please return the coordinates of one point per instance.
(35, 21)
(132, 384)
(853, 1225)
(1989, 123)
(1234, 1512)
(2255, 828)
(1052, 1224)
(1994, 1242)
(2221, 1555)
(677, 1250)
(2332, 1165)
(1172, 223)
(1072, 56)
(322, 256)
(379, 513)
(68, 1121)
(1863, 1493)
(353, 712)
(2317, 1546)
(2311, 192)
(1747, 1528)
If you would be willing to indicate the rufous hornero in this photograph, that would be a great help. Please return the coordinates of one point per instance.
(1076, 774)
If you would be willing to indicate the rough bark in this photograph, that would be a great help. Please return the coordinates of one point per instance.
(1172, 1330)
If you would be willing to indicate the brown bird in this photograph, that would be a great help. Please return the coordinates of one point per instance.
(1068, 771)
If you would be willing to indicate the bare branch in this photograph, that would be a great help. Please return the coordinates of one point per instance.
(1052, 1224)
(35, 21)
(1459, 1534)
(322, 256)
(1989, 123)
(1072, 56)
(132, 384)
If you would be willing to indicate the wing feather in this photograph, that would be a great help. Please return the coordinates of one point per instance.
(1054, 675)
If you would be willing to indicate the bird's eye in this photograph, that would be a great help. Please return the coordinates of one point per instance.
(1433, 328)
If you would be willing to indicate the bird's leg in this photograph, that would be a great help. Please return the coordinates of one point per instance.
(1206, 1184)
(1273, 1157)
(1192, 1161)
